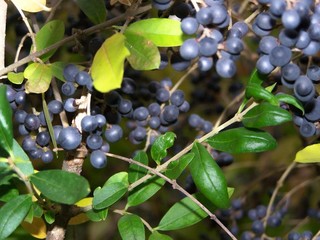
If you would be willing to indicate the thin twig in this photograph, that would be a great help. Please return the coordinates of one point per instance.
(176, 186)
(53, 11)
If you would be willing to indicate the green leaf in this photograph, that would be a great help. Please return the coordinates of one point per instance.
(256, 77)
(242, 140)
(163, 32)
(145, 191)
(144, 55)
(131, 227)
(259, 93)
(158, 236)
(108, 64)
(6, 129)
(264, 115)
(50, 217)
(48, 121)
(136, 172)
(118, 177)
(16, 78)
(95, 10)
(48, 35)
(21, 159)
(108, 195)
(57, 70)
(7, 193)
(12, 214)
(61, 186)
(289, 99)
(39, 77)
(5, 177)
(186, 213)
(175, 168)
(208, 177)
(97, 215)
(309, 154)
(160, 146)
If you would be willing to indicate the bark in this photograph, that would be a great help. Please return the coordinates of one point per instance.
(3, 16)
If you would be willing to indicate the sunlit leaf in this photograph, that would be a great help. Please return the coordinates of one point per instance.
(6, 129)
(309, 154)
(108, 64)
(95, 10)
(31, 5)
(259, 93)
(175, 168)
(159, 236)
(160, 146)
(21, 159)
(144, 55)
(16, 78)
(163, 32)
(39, 77)
(37, 228)
(131, 227)
(242, 140)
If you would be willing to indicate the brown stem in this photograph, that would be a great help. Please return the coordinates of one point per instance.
(74, 160)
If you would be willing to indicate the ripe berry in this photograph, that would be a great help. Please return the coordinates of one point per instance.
(69, 138)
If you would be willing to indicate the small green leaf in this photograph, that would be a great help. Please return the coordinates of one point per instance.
(12, 214)
(50, 217)
(6, 129)
(163, 32)
(48, 121)
(175, 168)
(158, 236)
(144, 55)
(131, 227)
(21, 159)
(118, 177)
(264, 115)
(97, 215)
(57, 70)
(95, 10)
(61, 186)
(259, 94)
(256, 77)
(289, 99)
(108, 195)
(39, 77)
(208, 177)
(309, 154)
(16, 78)
(5, 177)
(160, 146)
(242, 140)
(108, 63)
(48, 35)
(145, 191)
(7, 193)
(135, 171)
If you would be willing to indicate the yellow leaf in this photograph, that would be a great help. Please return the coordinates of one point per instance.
(39, 78)
(85, 202)
(309, 154)
(31, 5)
(80, 218)
(37, 228)
(108, 64)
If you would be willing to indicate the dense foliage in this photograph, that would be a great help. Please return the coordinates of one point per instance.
(104, 104)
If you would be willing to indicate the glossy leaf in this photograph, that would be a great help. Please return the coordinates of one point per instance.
(21, 159)
(145, 191)
(57, 70)
(163, 32)
(108, 64)
(256, 77)
(259, 93)
(16, 78)
(95, 10)
(309, 154)
(37, 228)
(49, 216)
(264, 115)
(118, 177)
(175, 168)
(6, 129)
(39, 78)
(97, 215)
(186, 213)
(159, 236)
(48, 35)
(31, 5)
(12, 214)
(61, 186)
(108, 195)
(135, 171)
(144, 54)
(242, 140)
(131, 227)
(79, 219)
(160, 146)
(289, 99)
(208, 177)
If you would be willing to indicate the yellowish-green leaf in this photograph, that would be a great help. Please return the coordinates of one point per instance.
(309, 154)
(39, 77)
(31, 5)
(37, 228)
(16, 78)
(108, 64)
